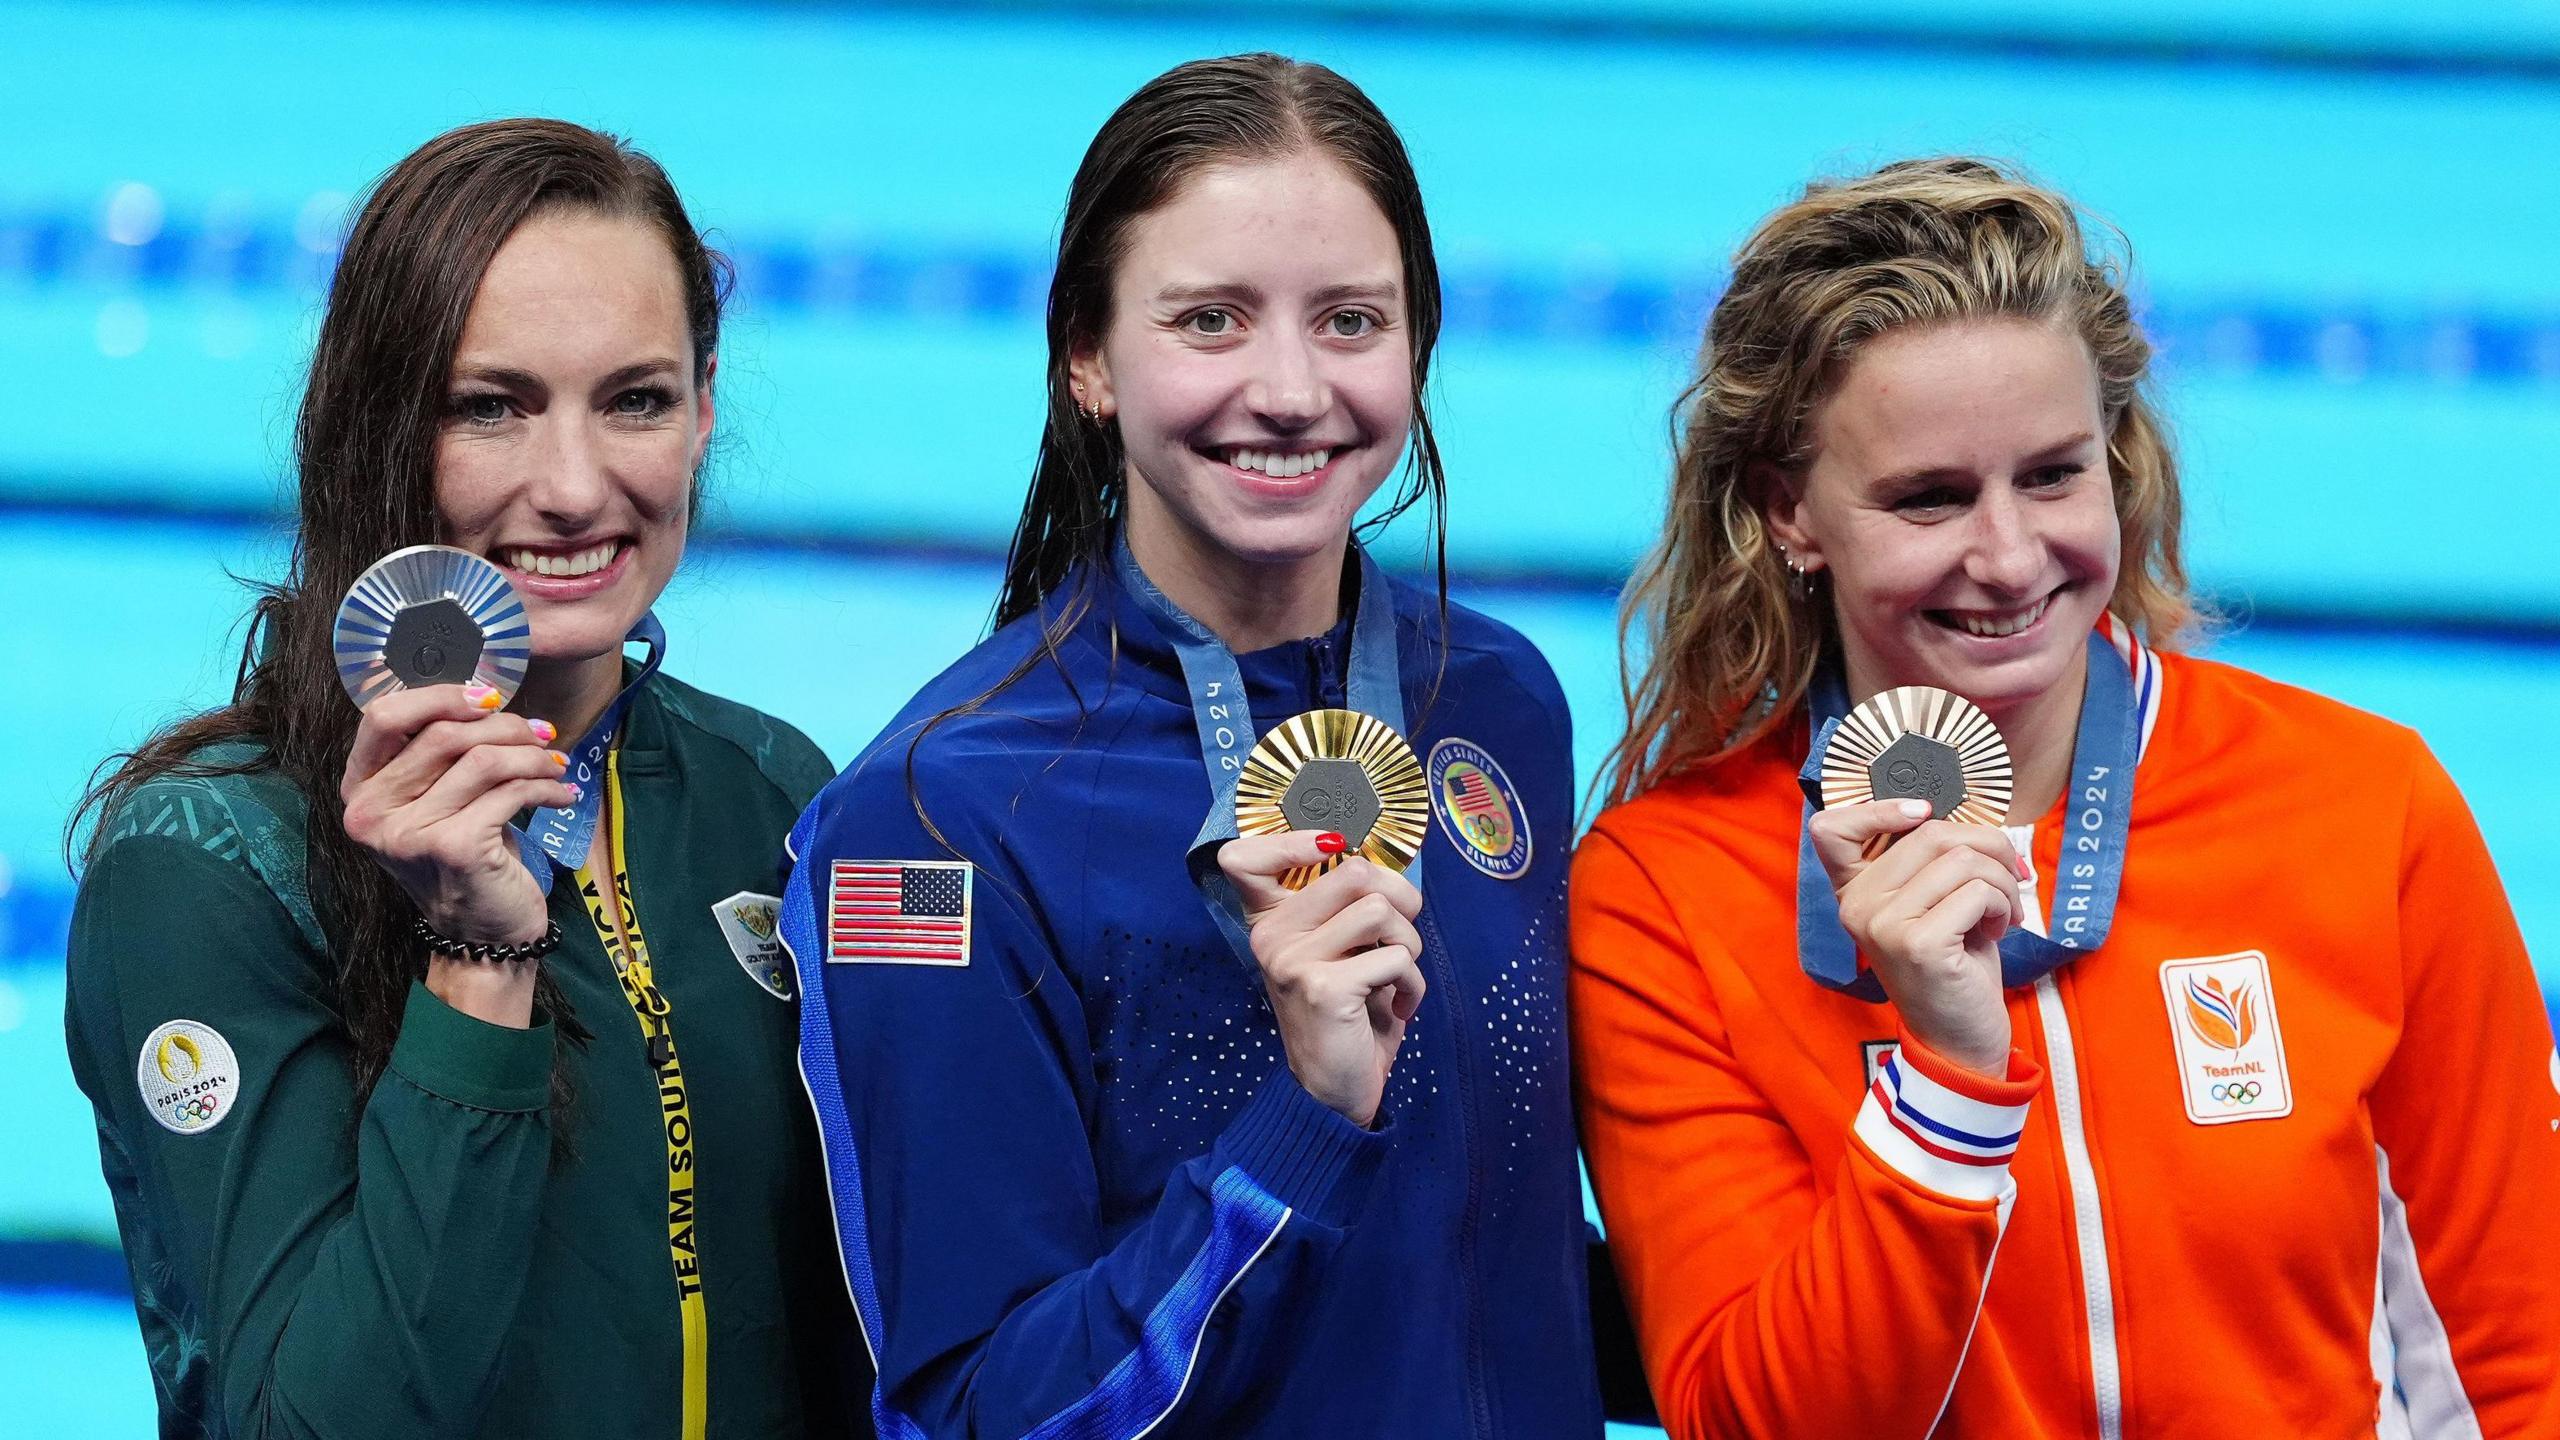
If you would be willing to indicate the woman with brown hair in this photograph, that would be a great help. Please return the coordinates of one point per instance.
(2224, 1045)
(413, 1127)
(1125, 1135)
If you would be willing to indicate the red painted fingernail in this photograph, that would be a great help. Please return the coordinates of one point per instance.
(544, 730)
(1332, 844)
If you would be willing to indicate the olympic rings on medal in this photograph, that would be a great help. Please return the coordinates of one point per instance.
(2245, 1092)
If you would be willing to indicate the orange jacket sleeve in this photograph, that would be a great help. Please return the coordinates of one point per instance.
(1768, 1299)
(2467, 1119)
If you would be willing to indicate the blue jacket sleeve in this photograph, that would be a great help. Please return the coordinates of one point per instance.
(954, 1102)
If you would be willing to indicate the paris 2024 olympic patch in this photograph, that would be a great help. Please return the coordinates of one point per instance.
(189, 1078)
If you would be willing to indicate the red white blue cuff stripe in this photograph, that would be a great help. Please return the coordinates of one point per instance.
(1949, 1142)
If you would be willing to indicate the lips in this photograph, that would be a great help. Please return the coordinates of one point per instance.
(553, 561)
(1994, 624)
(1292, 471)
(1280, 464)
(565, 572)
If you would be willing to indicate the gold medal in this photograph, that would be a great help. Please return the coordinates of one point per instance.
(1919, 743)
(1336, 770)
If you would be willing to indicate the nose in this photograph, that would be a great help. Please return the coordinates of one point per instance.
(2007, 554)
(571, 478)
(1288, 389)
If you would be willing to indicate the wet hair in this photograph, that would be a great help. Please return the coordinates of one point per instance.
(1714, 648)
(1207, 113)
(364, 459)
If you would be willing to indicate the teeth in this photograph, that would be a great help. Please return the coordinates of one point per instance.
(584, 562)
(1277, 465)
(1990, 628)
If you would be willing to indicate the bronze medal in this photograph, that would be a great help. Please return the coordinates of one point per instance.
(1920, 743)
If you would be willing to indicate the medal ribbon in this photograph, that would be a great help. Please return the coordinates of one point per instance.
(618, 925)
(561, 836)
(2097, 809)
(1225, 718)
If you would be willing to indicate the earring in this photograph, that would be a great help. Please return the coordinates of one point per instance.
(1799, 579)
(1092, 413)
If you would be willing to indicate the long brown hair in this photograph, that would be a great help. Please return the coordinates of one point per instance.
(1192, 117)
(364, 459)
(1726, 651)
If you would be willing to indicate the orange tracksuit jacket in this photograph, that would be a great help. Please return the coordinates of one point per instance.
(2281, 1159)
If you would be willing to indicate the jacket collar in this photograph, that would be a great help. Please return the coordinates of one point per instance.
(1121, 640)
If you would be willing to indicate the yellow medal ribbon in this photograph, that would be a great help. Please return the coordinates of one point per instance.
(618, 926)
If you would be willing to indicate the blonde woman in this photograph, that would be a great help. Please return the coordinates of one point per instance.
(2226, 1047)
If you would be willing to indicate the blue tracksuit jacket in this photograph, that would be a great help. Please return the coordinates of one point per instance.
(1077, 1190)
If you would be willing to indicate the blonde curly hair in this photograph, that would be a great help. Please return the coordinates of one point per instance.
(1727, 654)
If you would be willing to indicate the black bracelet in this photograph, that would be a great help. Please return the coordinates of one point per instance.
(483, 951)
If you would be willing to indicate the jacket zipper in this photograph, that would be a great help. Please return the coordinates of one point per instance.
(2088, 1222)
(1324, 663)
(1445, 978)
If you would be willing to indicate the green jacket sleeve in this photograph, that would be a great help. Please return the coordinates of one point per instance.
(300, 1270)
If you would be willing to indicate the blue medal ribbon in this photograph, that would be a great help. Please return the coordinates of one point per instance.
(561, 837)
(2097, 810)
(1225, 718)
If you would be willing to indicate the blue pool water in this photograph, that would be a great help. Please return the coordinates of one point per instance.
(2340, 216)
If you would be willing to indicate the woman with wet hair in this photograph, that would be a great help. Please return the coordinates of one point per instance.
(2224, 1045)
(1125, 1135)
(415, 1128)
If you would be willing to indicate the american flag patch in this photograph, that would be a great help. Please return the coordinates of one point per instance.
(1475, 794)
(898, 912)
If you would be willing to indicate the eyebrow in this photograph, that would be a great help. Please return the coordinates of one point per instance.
(637, 370)
(1924, 473)
(1381, 291)
(504, 376)
(511, 378)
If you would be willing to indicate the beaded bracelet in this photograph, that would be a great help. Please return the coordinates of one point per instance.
(484, 951)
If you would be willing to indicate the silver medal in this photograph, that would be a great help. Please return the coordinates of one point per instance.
(431, 615)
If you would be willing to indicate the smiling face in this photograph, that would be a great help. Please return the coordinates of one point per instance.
(1258, 364)
(573, 425)
(1960, 505)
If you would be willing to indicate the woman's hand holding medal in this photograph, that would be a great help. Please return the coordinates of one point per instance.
(1929, 912)
(1338, 958)
(1926, 900)
(435, 776)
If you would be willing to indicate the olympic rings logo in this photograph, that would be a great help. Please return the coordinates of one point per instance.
(2244, 1093)
(198, 1109)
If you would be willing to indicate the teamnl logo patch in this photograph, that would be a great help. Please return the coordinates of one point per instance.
(2222, 1013)
(188, 1076)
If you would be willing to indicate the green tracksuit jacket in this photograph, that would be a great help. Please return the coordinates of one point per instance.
(422, 1263)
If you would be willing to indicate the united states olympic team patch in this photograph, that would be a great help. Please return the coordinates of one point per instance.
(189, 1077)
(1479, 810)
